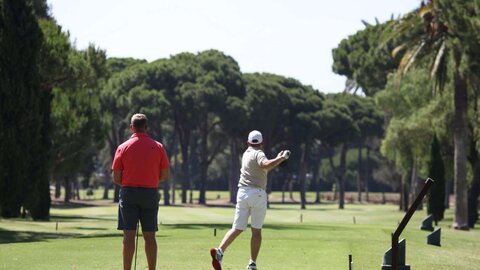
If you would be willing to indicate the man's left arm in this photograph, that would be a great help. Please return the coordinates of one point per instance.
(164, 174)
(117, 177)
(164, 166)
(117, 167)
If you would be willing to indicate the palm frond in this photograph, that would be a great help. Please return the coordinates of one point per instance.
(408, 59)
(438, 59)
(412, 56)
(441, 68)
(398, 49)
(400, 27)
(365, 23)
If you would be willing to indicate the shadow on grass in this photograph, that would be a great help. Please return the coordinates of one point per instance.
(118, 234)
(7, 237)
(318, 207)
(90, 228)
(73, 205)
(76, 218)
(201, 226)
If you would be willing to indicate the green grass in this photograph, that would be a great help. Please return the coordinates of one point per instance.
(86, 239)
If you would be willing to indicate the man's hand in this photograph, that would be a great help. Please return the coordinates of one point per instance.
(285, 154)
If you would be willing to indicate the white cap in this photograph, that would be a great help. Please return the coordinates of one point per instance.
(255, 137)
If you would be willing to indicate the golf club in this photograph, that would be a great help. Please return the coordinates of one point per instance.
(136, 247)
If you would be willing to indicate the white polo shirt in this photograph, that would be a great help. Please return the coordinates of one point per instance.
(251, 174)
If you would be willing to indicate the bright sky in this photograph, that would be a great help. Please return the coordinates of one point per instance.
(293, 38)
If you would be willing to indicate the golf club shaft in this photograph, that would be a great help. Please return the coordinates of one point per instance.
(136, 247)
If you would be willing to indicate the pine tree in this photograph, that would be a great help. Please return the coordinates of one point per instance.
(20, 108)
(436, 171)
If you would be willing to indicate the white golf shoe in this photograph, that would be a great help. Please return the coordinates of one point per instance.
(252, 266)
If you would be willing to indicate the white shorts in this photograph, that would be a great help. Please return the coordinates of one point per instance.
(250, 202)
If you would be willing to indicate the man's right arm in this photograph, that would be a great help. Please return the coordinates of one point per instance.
(269, 164)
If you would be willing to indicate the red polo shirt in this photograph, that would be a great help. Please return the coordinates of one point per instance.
(140, 159)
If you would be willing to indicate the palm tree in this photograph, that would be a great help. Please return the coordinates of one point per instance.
(436, 32)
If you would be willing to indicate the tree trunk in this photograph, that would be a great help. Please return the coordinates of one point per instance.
(302, 174)
(359, 173)
(234, 171)
(185, 173)
(340, 175)
(414, 184)
(290, 190)
(174, 178)
(166, 192)
(448, 191)
(367, 175)
(341, 179)
(203, 185)
(460, 155)
(114, 141)
(68, 189)
(316, 179)
(203, 160)
(404, 193)
(191, 194)
(76, 185)
(58, 191)
(318, 198)
(107, 184)
(474, 192)
(184, 140)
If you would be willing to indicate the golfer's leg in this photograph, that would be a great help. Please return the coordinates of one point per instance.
(150, 249)
(259, 211)
(242, 212)
(128, 248)
(255, 243)
(229, 238)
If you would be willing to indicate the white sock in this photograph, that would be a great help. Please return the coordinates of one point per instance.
(251, 261)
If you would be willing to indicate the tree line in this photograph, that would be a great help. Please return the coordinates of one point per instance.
(64, 112)
(422, 70)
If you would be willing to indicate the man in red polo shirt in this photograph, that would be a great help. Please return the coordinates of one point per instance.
(139, 165)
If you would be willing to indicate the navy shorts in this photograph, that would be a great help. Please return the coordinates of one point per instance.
(138, 204)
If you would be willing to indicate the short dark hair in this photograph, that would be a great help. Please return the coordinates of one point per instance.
(139, 122)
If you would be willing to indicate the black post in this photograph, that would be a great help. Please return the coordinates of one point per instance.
(350, 262)
(405, 220)
(394, 252)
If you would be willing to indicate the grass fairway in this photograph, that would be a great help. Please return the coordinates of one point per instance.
(86, 239)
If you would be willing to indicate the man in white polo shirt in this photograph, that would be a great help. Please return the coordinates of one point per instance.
(251, 198)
